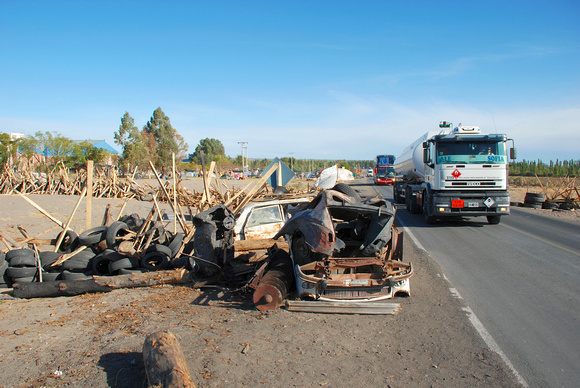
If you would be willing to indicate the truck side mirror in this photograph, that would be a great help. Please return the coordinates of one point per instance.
(513, 153)
(426, 156)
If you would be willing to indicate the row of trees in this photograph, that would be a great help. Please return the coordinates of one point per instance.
(559, 168)
(53, 146)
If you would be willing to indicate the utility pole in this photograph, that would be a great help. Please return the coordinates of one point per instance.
(243, 144)
(291, 161)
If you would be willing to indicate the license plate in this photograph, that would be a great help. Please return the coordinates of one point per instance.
(456, 203)
(472, 204)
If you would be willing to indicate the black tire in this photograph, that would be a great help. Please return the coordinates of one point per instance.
(147, 196)
(183, 262)
(535, 198)
(124, 271)
(124, 263)
(494, 220)
(533, 205)
(160, 248)
(47, 258)
(115, 229)
(429, 219)
(20, 272)
(28, 279)
(80, 262)
(69, 243)
(51, 276)
(550, 205)
(281, 190)
(154, 261)
(175, 244)
(3, 268)
(346, 189)
(100, 265)
(21, 257)
(566, 206)
(93, 236)
(68, 275)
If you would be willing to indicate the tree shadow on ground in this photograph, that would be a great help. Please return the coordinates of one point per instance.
(124, 369)
(218, 296)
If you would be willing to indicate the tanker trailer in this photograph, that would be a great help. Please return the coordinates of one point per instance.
(455, 173)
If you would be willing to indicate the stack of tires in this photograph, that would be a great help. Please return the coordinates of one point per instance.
(539, 201)
(534, 200)
(100, 257)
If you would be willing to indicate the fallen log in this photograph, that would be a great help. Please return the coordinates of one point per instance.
(252, 245)
(99, 284)
(165, 363)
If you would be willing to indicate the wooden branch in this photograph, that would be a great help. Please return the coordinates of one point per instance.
(65, 228)
(37, 207)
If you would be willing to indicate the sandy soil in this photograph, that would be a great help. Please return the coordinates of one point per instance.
(96, 340)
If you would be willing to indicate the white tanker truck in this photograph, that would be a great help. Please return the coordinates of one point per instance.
(455, 173)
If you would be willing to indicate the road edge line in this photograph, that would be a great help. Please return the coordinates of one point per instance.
(475, 322)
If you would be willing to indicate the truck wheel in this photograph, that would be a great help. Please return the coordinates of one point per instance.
(429, 219)
(494, 220)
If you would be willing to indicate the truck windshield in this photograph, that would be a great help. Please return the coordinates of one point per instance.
(475, 152)
(385, 172)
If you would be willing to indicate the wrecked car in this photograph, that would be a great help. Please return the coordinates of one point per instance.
(344, 249)
(220, 236)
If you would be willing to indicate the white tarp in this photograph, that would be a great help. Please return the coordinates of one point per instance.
(327, 178)
(345, 175)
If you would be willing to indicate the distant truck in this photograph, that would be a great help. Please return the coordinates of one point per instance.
(384, 171)
(455, 173)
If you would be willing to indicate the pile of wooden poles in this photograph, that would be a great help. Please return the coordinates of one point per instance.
(561, 190)
(106, 183)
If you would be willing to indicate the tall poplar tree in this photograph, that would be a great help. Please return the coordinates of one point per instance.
(164, 138)
(132, 142)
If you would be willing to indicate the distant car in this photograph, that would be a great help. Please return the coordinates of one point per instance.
(370, 172)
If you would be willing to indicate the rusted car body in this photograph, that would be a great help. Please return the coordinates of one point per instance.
(344, 249)
(219, 238)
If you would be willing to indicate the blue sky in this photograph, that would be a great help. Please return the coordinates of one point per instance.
(315, 79)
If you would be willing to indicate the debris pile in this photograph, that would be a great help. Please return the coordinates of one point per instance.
(333, 246)
(556, 195)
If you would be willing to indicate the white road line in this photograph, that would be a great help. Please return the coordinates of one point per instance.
(487, 338)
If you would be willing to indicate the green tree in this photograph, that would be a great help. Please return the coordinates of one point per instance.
(54, 146)
(213, 149)
(84, 151)
(164, 138)
(8, 148)
(131, 140)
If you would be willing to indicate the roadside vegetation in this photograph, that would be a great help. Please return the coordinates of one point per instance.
(559, 168)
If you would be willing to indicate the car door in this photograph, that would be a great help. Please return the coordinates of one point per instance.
(263, 222)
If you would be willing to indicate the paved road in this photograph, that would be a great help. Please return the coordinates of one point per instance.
(521, 278)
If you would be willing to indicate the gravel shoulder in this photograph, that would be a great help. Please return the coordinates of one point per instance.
(96, 340)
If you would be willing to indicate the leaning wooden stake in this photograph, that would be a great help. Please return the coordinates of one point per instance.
(165, 363)
(89, 214)
(181, 222)
(37, 207)
(62, 235)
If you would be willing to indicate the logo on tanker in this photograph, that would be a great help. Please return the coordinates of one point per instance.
(456, 174)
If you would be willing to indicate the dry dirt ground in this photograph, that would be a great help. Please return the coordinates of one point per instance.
(96, 340)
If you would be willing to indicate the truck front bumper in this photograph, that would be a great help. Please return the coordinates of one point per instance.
(466, 204)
